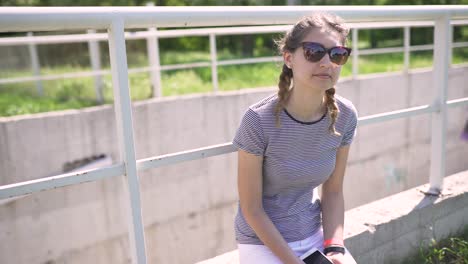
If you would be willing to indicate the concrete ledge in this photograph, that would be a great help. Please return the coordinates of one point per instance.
(390, 229)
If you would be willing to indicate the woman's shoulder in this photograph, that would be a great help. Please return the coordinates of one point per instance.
(345, 105)
(266, 106)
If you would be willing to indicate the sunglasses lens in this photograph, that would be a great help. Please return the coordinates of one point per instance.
(313, 52)
(339, 55)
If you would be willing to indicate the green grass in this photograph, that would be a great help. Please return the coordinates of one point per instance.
(16, 104)
(22, 98)
(453, 250)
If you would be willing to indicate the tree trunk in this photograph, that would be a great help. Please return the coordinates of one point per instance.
(247, 45)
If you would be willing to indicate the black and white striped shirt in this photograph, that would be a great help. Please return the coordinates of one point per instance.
(297, 157)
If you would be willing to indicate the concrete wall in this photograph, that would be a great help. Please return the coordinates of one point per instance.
(188, 208)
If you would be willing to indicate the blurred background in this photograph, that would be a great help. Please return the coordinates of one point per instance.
(41, 77)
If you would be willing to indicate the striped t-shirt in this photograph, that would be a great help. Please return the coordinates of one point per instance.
(297, 157)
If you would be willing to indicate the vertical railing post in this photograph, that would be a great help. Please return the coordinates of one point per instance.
(407, 43)
(439, 118)
(355, 53)
(95, 57)
(152, 46)
(214, 62)
(36, 67)
(123, 112)
(450, 56)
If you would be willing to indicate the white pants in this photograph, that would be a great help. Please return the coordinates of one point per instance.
(260, 254)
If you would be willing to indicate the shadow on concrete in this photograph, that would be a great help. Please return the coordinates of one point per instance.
(426, 201)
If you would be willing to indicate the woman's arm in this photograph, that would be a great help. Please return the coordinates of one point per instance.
(249, 182)
(332, 198)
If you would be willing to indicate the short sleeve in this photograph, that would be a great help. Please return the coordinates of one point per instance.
(249, 136)
(351, 128)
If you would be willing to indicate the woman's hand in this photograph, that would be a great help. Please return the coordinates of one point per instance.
(336, 258)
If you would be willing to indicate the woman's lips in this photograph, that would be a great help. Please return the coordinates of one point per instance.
(322, 76)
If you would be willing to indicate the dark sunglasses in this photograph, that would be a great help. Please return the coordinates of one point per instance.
(314, 52)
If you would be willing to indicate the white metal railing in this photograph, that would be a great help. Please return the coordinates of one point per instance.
(152, 36)
(115, 20)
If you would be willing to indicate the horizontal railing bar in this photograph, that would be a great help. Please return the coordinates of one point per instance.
(48, 183)
(16, 19)
(422, 47)
(220, 31)
(399, 24)
(77, 38)
(54, 39)
(459, 44)
(174, 158)
(408, 112)
(252, 60)
(402, 49)
(24, 188)
(138, 70)
(457, 102)
(194, 154)
(458, 22)
(380, 50)
(185, 66)
(281, 28)
(52, 77)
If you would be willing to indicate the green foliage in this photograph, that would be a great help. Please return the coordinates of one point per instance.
(426, 2)
(453, 250)
(80, 92)
(185, 44)
(257, 75)
(173, 57)
(15, 104)
(21, 98)
(73, 3)
(230, 78)
(185, 82)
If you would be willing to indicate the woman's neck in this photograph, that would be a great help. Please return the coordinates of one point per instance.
(306, 105)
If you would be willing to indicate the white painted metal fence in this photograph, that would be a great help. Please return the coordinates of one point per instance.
(152, 36)
(115, 20)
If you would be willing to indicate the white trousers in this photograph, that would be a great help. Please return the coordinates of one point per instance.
(260, 254)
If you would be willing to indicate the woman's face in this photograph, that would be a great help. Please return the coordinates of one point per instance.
(321, 75)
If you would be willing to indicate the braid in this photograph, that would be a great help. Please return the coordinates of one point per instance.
(333, 110)
(284, 84)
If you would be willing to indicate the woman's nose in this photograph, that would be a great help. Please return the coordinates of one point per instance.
(326, 62)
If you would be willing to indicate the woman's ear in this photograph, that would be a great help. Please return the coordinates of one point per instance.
(287, 58)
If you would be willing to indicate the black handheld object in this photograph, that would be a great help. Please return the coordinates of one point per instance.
(314, 256)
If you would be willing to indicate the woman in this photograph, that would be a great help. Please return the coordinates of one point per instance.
(291, 142)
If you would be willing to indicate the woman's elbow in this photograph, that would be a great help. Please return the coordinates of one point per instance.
(252, 211)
